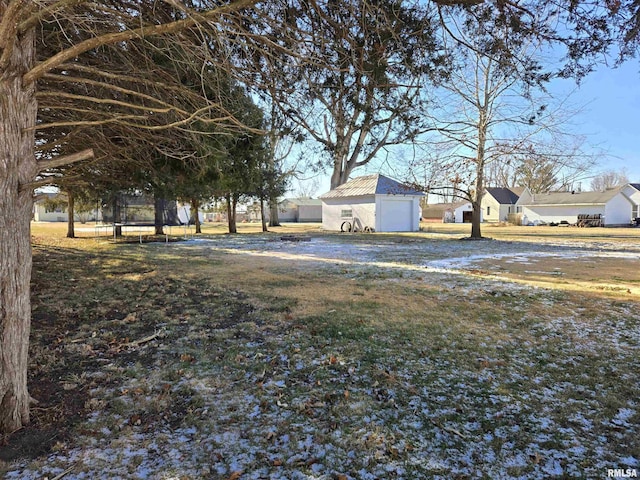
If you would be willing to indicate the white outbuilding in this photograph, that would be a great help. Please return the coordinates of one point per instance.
(372, 202)
(612, 207)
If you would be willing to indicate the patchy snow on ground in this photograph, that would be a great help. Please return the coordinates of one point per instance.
(519, 397)
(436, 256)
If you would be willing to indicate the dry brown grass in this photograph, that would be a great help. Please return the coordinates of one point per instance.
(615, 276)
(281, 367)
(539, 234)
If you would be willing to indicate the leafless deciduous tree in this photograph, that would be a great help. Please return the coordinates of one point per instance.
(555, 162)
(609, 179)
(493, 115)
(352, 78)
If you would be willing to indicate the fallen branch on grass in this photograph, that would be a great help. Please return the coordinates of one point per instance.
(137, 343)
(60, 475)
(450, 430)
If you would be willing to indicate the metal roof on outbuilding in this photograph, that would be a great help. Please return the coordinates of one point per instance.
(376, 184)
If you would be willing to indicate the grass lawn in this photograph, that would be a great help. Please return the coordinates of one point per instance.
(342, 357)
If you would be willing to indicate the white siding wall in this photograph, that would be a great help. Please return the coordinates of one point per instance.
(288, 213)
(505, 210)
(634, 196)
(618, 211)
(309, 213)
(363, 208)
(556, 214)
(495, 211)
(41, 215)
(370, 211)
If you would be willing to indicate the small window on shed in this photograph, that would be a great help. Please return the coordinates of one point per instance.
(488, 211)
(346, 213)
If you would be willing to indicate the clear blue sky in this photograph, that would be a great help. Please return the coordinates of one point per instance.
(609, 102)
(611, 116)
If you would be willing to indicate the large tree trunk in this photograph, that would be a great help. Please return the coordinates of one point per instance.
(18, 111)
(341, 172)
(476, 217)
(274, 221)
(158, 214)
(195, 206)
(476, 201)
(231, 213)
(71, 229)
(117, 216)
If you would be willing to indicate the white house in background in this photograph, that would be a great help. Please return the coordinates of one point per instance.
(374, 201)
(300, 210)
(496, 206)
(440, 212)
(632, 191)
(463, 211)
(50, 207)
(498, 203)
(614, 206)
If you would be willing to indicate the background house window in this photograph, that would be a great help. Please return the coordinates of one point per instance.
(488, 211)
(346, 213)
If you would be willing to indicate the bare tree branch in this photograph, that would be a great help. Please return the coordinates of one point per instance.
(65, 160)
(115, 37)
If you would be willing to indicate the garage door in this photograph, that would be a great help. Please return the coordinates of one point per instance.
(395, 215)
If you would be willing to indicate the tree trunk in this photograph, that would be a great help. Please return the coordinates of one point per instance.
(476, 201)
(475, 220)
(195, 206)
(18, 168)
(342, 169)
(274, 221)
(231, 213)
(71, 230)
(340, 174)
(262, 215)
(158, 214)
(117, 216)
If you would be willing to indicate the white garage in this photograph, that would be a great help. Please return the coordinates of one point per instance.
(372, 202)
